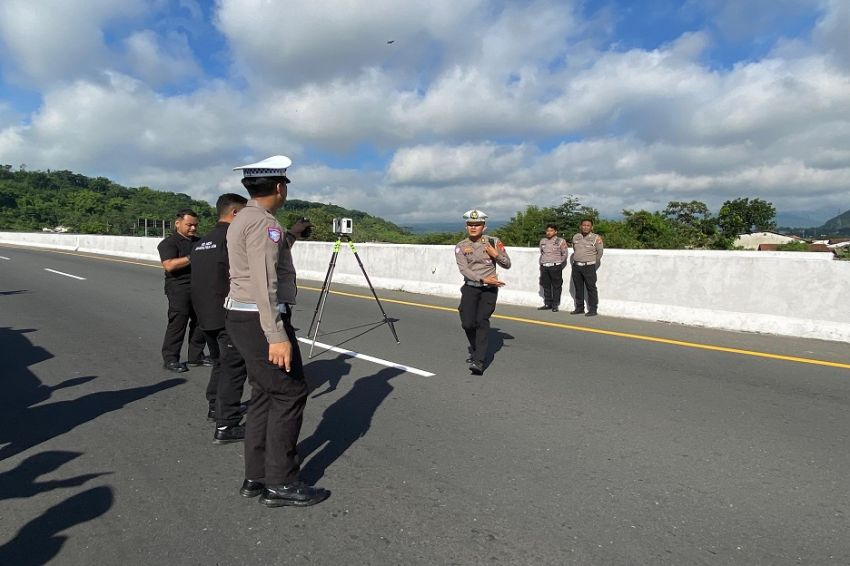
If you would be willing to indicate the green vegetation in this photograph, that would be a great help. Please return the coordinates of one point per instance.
(32, 200)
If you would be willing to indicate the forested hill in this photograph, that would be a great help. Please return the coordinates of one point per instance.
(837, 225)
(34, 200)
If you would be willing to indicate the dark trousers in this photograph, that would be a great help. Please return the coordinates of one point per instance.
(476, 306)
(181, 313)
(227, 378)
(277, 401)
(552, 280)
(585, 276)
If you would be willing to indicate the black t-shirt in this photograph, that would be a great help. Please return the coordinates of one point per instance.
(172, 247)
(211, 277)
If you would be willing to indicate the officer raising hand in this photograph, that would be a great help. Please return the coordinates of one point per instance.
(476, 257)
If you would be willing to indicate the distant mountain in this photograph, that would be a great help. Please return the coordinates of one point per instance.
(455, 226)
(840, 223)
(801, 219)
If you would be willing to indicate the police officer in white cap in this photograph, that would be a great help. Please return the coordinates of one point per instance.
(477, 256)
(259, 307)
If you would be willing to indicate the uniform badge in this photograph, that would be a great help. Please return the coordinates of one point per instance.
(274, 234)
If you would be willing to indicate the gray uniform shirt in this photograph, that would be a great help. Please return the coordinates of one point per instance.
(474, 263)
(553, 250)
(261, 268)
(587, 248)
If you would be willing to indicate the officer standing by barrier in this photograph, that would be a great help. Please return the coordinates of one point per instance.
(553, 260)
(476, 257)
(174, 252)
(258, 319)
(587, 254)
(210, 286)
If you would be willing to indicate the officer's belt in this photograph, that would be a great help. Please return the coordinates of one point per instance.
(474, 283)
(583, 263)
(234, 305)
(552, 264)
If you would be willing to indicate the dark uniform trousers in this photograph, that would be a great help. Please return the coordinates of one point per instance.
(181, 313)
(227, 378)
(277, 401)
(552, 280)
(585, 276)
(476, 306)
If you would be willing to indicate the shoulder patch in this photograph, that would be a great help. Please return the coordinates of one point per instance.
(274, 234)
(457, 249)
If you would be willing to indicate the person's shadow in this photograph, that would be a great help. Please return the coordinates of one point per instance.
(38, 541)
(328, 372)
(344, 422)
(497, 342)
(25, 421)
(22, 481)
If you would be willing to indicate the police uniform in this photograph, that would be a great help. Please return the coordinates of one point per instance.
(259, 308)
(553, 260)
(478, 299)
(587, 252)
(180, 309)
(210, 287)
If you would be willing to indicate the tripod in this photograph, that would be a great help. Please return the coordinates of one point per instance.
(326, 289)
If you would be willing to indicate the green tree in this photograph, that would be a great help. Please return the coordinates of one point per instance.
(743, 215)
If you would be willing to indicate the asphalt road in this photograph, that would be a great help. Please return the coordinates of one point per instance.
(583, 443)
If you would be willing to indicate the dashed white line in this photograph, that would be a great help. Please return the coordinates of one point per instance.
(4, 257)
(368, 358)
(65, 274)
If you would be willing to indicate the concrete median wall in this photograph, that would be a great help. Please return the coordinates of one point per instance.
(786, 293)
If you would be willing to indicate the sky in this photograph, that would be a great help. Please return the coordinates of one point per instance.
(418, 110)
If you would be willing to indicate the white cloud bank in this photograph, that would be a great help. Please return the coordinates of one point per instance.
(472, 104)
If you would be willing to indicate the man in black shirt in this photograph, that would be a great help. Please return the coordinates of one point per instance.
(210, 285)
(174, 253)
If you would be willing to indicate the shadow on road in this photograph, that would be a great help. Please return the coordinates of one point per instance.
(22, 481)
(22, 423)
(39, 540)
(344, 422)
(497, 342)
(331, 372)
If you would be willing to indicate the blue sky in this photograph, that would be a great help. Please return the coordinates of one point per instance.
(475, 103)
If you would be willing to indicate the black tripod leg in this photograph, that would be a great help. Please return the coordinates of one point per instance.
(374, 294)
(323, 296)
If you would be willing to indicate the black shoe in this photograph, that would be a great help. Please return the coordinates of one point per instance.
(211, 414)
(554, 309)
(544, 308)
(251, 488)
(590, 313)
(469, 360)
(176, 367)
(206, 362)
(476, 368)
(228, 434)
(297, 494)
(577, 311)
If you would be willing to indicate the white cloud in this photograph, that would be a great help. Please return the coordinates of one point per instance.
(160, 60)
(53, 40)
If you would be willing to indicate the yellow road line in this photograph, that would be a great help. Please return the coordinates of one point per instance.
(628, 335)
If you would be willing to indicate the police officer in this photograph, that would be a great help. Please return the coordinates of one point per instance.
(553, 260)
(477, 257)
(259, 307)
(587, 254)
(174, 254)
(210, 286)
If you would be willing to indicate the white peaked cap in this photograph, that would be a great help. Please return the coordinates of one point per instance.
(475, 215)
(274, 166)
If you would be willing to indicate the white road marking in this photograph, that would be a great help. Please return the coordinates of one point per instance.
(369, 358)
(65, 274)
(4, 257)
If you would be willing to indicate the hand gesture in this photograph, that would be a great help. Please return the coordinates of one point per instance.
(494, 281)
(280, 354)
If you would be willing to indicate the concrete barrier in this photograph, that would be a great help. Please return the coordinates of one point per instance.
(786, 293)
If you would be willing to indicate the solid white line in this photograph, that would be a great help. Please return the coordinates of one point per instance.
(65, 274)
(369, 358)
(4, 257)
